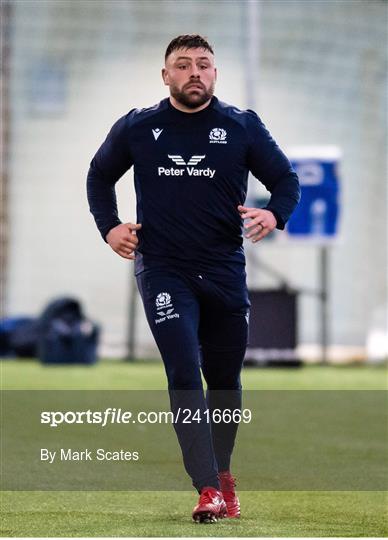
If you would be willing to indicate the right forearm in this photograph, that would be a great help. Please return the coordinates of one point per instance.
(109, 164)
(102, 201)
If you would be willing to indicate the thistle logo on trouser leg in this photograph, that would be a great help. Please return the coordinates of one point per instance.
(164, 307)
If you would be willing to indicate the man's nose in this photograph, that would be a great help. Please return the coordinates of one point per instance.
(194, 72)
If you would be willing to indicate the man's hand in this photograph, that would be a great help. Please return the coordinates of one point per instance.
(262, 222)
(123, 240)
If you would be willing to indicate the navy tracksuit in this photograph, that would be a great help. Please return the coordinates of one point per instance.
(191, 173)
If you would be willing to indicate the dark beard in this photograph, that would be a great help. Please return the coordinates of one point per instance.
(192, 100)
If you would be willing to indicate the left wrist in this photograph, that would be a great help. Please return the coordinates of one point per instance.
(278, 219)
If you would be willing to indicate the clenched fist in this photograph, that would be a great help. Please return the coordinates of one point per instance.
(123, 240)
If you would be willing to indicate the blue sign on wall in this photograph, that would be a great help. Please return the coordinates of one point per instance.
(317, 214)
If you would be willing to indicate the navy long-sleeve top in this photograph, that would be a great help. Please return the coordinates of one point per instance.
(190, 172)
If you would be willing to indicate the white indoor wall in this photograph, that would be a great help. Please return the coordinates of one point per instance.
(314, 87)
(323, 82)
(55, 248)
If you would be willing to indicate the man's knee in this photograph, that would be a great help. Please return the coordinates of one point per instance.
(181, 379)
(223, 383)
(222, 367)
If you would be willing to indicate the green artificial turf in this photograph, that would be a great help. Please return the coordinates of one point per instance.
(149, 375)
(157, 513)
(86, 514)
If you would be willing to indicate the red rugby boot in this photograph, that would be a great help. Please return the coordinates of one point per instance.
(211, 506)
(228, 483)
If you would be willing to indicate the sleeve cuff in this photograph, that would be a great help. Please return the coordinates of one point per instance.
(280, 224)
(105, 231)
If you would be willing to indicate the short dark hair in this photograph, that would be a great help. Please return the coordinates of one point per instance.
(188, 41)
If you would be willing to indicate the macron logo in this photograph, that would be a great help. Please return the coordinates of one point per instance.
(156, 132)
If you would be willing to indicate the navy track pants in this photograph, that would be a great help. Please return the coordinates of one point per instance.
(200, 323)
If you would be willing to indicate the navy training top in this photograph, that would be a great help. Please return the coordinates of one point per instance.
(190, 172)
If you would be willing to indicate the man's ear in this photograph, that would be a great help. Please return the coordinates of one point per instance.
(165, 77)
(215, 73)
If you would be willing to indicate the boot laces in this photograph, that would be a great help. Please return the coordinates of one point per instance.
(207, 496)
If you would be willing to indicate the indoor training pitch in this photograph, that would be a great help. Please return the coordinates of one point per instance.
(158, 513)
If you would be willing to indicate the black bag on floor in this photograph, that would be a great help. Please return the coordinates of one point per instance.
(67, 336)
(18, 337)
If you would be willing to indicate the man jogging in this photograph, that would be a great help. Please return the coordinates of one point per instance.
(191, 155)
